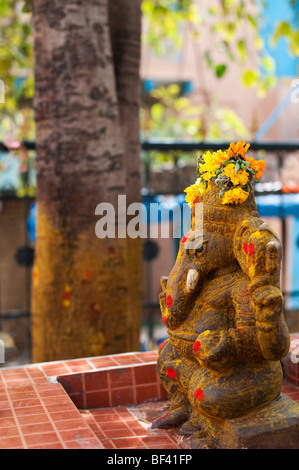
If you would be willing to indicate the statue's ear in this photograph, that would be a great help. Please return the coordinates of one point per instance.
(258, 251)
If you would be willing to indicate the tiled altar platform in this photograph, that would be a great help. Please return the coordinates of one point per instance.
(105, 402)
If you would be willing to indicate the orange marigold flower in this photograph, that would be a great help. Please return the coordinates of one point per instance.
(240, 148)
(220, 157)
(258, 165)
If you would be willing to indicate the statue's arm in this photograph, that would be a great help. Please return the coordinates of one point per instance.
(272, 332)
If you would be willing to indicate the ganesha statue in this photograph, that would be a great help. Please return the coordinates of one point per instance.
(222, 304)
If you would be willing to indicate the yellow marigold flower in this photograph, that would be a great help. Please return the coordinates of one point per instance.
(240, 148)
(241, 177)
(197, 189)
(234, 196)
(257, 165)
(209, 166)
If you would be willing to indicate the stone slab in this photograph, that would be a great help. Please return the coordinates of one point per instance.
(275, 426)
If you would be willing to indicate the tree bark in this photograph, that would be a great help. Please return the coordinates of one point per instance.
(86, 295)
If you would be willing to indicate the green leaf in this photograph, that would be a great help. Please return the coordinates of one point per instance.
(237, 168)
(220, 70)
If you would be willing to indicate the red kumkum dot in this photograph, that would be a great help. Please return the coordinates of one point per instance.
(171, 373)
(245, 246)
(251, 249)
(185, 238)
(169, 301)
(164, 320)
(198, 394)
(195, 200)
(196, 346)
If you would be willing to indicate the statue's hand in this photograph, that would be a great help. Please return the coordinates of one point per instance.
(215, 349)
(268, 301)
(272, 331)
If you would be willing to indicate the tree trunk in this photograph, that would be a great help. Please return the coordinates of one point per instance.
(86, 295)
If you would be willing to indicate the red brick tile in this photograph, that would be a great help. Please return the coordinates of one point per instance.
(129, 443)
(164, 446)
(97, 380)
(29, 410)
(139, 431)
(11, 442)
(56, 399)
(145, 374)
(101, 362)
(71, 424)
(64, 415)
(15, 382)
(6, 413)
(72, 383)
(148, 356)
(9, 421)
(22, 389)
(41, 438)
(162, 392)
(25, 402)
(13, 372)
(127, 359)
(115, 433)
(79, 366)
(121, 377)
(123, 412)
(113, 425)
(79, 400)
(35, 371)
(55, 407)
(54, 369)
(159, 440)
(37, 428)
(105, 414)
(4, 405)
(47, 446)
(97, 399)
(75, 434)
(32, 419)
(51, 392)
(9, 431)
(124, 396)
(21, 395)
(84, 444)
(146, 393)
(109, 444)
(100, 435)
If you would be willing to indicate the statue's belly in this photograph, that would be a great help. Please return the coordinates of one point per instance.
(201, 318)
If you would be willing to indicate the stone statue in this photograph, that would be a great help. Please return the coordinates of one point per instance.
(222, 305)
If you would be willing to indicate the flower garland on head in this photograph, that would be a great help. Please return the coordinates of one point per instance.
(231, 170)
